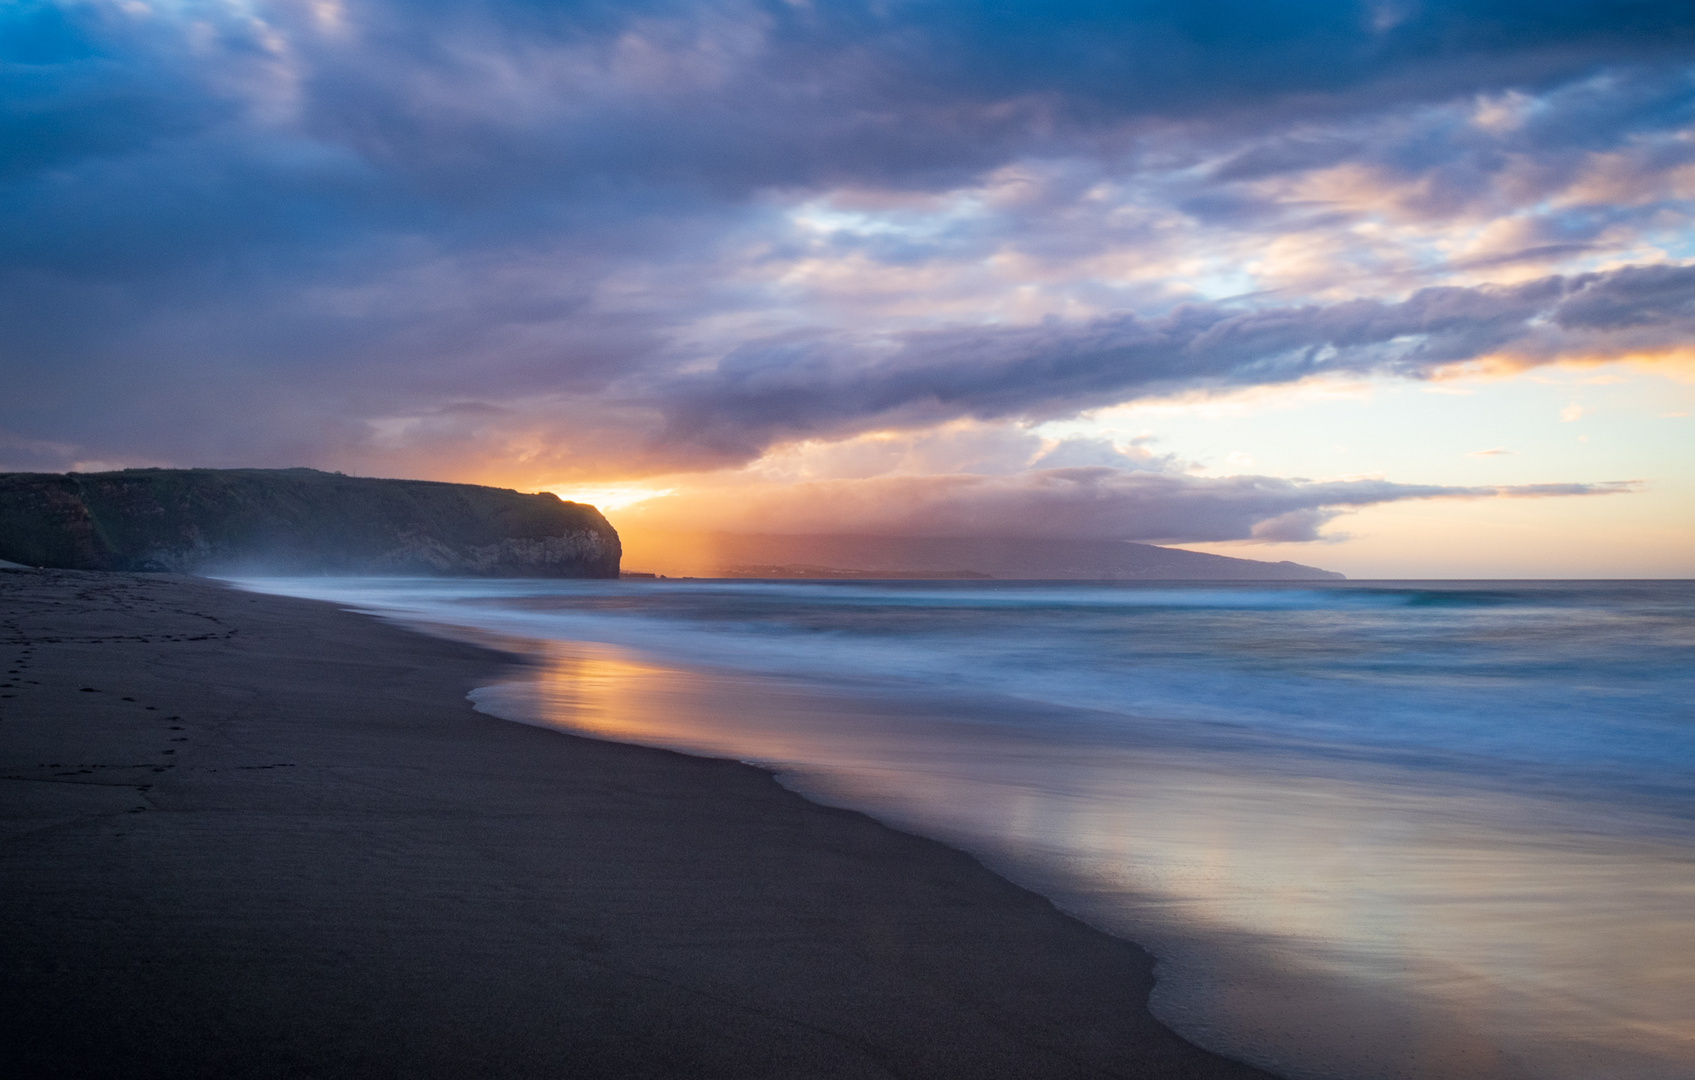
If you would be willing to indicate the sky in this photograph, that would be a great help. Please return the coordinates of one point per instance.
(1402, 288)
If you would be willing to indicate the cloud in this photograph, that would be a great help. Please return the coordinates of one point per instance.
(1088, 502)
(794, 387)
(495, 239)
(1658, 298)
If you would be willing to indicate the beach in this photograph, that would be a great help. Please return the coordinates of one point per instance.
(262, 836)
(1373, 830)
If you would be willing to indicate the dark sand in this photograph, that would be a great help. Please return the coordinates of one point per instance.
(273, 839)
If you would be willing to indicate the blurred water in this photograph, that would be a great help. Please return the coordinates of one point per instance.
(1371, 829)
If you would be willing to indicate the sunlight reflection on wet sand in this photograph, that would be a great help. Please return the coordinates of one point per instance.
(1324, 918)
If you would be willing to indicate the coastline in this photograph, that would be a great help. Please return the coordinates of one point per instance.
(299, 849)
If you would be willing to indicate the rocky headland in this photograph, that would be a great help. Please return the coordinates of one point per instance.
(290, 521)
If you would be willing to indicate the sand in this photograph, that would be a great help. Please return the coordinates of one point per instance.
(251, 836)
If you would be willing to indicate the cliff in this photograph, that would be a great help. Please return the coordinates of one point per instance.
(820, 556)
(296, 521)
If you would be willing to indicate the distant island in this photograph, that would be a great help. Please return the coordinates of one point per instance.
(747, 555)
(291, 521)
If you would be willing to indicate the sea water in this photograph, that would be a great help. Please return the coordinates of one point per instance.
(1370, 830)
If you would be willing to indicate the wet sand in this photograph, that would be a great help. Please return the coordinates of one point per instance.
(255, 836)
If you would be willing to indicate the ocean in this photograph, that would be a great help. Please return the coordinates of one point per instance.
(1369, 829)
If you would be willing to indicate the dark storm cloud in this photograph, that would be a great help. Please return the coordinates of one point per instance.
(1643, 297)
(787, 389)
(1082, 503)
(236, 234)
(511, 112)
(467, 103)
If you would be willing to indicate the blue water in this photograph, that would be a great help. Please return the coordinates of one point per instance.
(1370, 829)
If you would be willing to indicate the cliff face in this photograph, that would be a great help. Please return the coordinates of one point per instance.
(296, 521)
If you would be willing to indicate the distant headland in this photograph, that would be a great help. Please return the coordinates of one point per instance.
(291, 521)
(960, 557)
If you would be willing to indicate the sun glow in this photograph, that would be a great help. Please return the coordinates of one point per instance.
(608, 497)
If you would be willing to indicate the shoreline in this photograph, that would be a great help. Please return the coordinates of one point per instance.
(274, 838)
